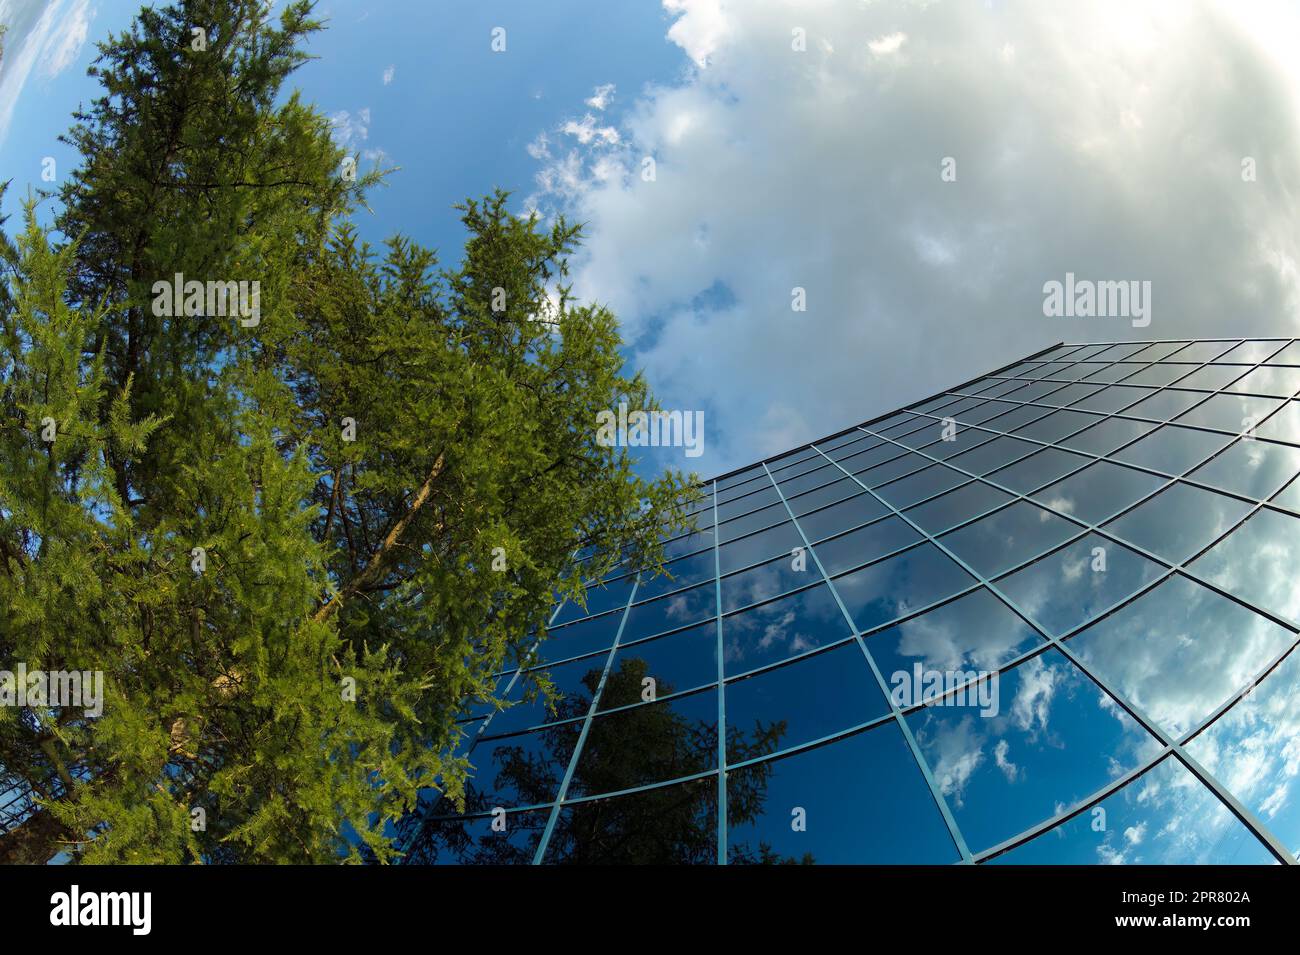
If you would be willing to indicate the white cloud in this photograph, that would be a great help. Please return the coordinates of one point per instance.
(64, 46)
(350, 129)
(586, 131)
(699, 27)
(885, 45)
(600, 98)
(1009, 769)
(45, 35)
(1104, 139)
(389, 74)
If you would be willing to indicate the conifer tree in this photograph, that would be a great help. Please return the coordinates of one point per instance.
(294, 540)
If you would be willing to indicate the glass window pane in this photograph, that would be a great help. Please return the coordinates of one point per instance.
(1164, 405)
(966, 502)
(764, 497)
(1251, 468)
(1036, 470)
(1253, 351)
(1164, 817)
(837, 444)
(985, 412)
(688, 544)
(600, 598)
(1289, 497)
(578, 639)
(1098, 492)
(825, 474)
(863, 800)
(520, 770)
(814, 697)
(1103, 438)
(1211, 377)
(1000, 389)
(1157, 375)
(864, 544)
(1283, 425)
(844, 488)
(740, 526)
(1070, 394)
(1234, 413)
(1287, 356)
(811, 462)
(848, 513)
(1257, 562)
(902, 424)
(575, 682)
(647, 743)
(758, 547)
(679, 661)
(1119, 352)
(1172, 450)
(962, 440)
(782, 629)
(883, 473)
(1112, 373)
(681, 573)
(668, 613)
(1112, 399)
(1203, 351)
(974, 632)
(1008, 537)
(793, 462)
(1057, 425)
(1048, 741)
(776, 577)
(931, 430)
(871, 457)
(1018, 418)
(1178, 521)
(740, 490)
(740, 477)
(1180, 651)
(923, 484)
(1158, 351)
(668, 825)
(474, 840)
(901, 584)
(1274, 380)
(1078, 582)
(993, 455)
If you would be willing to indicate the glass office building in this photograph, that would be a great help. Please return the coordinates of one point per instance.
(1046, 616)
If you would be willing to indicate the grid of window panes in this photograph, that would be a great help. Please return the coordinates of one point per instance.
(1045, 617)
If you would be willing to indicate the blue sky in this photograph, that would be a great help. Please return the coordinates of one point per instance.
(798, 145)
(411, 83)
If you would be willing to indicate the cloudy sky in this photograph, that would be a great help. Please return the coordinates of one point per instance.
(803, 145)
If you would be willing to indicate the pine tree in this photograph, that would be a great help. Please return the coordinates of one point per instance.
(293, 542)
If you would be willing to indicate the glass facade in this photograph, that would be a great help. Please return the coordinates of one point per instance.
(1047, 616)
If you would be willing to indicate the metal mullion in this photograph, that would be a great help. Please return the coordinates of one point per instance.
(582, 735)
(954, 830)
(1245, 815)
(722, 693)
